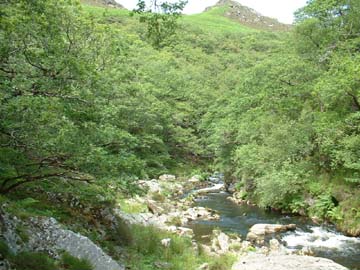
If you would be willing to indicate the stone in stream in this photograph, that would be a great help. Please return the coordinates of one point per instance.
(256, 261)
(263, 229)
(258, 231)
(215, 188)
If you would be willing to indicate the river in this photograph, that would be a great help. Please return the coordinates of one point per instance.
(324, 241)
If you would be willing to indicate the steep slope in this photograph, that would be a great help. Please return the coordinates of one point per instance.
(248, 17)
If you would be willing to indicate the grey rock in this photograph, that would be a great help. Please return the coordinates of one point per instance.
(274, 245)
(47, 235)
(167, 177)
(256, 261)
(204, 266)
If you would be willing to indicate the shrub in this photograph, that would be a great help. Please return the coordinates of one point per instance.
(73, 263)
(323, 206)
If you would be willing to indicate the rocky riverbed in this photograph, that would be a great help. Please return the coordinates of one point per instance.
(167, 208)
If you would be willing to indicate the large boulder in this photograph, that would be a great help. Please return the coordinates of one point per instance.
(263, 229)
(258, 231)
(256, 261)
(47, 235)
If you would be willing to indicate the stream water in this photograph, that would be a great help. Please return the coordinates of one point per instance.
(324, 241)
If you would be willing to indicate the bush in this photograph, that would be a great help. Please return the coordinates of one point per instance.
(323, 206)
(73, 263)
(32, 261)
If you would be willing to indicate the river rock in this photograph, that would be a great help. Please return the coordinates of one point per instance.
(153, 186)
(274, 245)
(256, 261)
(154, 207)
(181, 231)
(215, 188)
(166, 242)
(167, 177)
(263, 229)
(220, 242)
(194, 179)
(204, 266)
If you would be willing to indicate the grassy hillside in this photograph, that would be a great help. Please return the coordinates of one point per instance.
(214, 21)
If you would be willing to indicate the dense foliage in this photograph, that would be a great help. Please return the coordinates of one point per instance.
(89, 94)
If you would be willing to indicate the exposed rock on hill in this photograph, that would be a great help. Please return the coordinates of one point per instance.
(249, 17)
(103, 3)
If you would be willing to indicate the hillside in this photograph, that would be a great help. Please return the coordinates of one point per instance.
(247, 16)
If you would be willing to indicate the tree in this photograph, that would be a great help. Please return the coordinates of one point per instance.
(161, 19)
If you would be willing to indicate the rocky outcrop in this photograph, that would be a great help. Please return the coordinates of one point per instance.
(257, 261)
(103, 3)
(47, 235)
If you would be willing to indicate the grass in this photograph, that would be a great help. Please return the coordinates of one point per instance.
(214, 21)
(146, 252)
(132, 206)
(72, 263)
(32, 260)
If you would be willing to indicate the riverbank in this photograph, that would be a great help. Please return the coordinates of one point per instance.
(324, 203)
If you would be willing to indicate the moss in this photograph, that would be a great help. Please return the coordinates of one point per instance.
(72, 263)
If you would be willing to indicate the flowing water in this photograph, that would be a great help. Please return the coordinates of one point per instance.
(324, 241)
